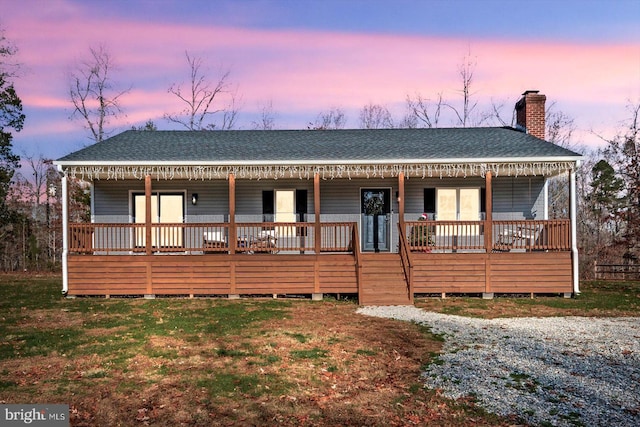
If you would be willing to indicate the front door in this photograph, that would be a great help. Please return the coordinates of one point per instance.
(376, 217)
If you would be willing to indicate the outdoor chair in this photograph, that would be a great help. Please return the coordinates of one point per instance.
(518, 237)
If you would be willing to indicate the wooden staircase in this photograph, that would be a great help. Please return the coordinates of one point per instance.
(382, 280)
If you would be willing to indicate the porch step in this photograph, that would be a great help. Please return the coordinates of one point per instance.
(383, 280)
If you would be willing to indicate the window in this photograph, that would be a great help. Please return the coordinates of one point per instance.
(429, 202)
(301, 205)
(267, 206)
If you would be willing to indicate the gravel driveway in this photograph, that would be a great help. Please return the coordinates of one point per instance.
(563, 371)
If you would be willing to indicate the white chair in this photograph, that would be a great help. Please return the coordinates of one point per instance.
(213, 240)
(214, 237)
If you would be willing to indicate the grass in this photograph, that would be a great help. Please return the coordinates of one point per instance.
(314, 353)
(602, 299)
(244, 362)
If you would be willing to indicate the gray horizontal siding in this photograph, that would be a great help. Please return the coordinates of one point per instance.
(112, 199)
(518, 198)
(343, 196)
(513, 198)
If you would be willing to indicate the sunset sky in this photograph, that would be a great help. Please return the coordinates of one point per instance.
(307, 56)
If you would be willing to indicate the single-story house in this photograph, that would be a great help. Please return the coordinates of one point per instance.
(384, 214)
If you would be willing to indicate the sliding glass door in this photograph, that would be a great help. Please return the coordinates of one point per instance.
(166, 208)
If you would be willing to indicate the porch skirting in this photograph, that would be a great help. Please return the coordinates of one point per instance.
(218, 274)
(266, 274)
(502, 272)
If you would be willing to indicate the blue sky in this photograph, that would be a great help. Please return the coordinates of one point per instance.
(569, 20)
(307, 56)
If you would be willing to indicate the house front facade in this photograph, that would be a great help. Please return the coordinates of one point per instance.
(383, 214)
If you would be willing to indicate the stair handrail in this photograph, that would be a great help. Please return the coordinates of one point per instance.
(405, 257)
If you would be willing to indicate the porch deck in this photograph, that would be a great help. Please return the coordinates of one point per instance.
(115, 259)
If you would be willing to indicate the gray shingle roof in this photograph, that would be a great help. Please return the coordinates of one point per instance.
(308, 146)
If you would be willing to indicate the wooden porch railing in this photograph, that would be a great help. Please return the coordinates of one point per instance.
(337, 236)
(427, 236)
(528, 235)
(405, 257)
(533, 235)
(263, 237)
(299, 237)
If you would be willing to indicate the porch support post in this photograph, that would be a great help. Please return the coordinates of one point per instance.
(488, 223)
(401, 200)
(147, 213)
(488, 234)
(65, 234)
(147, 240)
(573, 209)
(233, 241)
(317, 237)
(545, 191)
(316, 212)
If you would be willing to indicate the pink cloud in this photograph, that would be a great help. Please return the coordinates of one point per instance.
(304, 72)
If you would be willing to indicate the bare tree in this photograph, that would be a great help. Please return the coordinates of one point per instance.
(9, 69)
(593, 241)
(34, 198)
(267, 118)
(560, 127)
(203, 98)
(409, 121)
(329, 120)
(375, 116)
(230, 113)
(496, 116)
(148, 126)
(623, 153)
(465, 70)
(422, 112)
(40, 170)
(94, 94)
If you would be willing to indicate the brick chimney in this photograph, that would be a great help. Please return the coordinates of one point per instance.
(530, 113)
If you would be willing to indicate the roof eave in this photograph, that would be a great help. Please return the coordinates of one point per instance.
(64, 164)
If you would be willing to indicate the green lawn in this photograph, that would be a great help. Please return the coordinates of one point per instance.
(602, 299)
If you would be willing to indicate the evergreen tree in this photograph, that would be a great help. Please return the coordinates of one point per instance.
(11, 120)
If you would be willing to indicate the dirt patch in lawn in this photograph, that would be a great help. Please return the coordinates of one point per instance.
(48, 318)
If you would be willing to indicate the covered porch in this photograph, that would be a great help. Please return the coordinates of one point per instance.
(320, 256)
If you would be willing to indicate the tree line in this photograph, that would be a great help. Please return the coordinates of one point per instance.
(30, 216)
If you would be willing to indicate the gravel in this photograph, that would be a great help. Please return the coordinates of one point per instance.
(561, 371)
